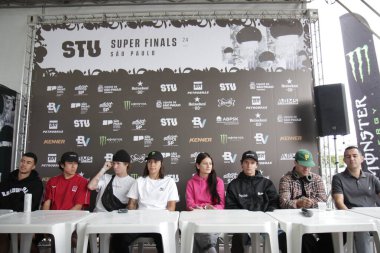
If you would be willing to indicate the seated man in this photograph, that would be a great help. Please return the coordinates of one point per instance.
(251, 191)
(23, 180)
(301, 188)
(356, 188)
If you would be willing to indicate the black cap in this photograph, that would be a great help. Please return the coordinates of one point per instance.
(121, 156)
(249, 155)
(156, 155)
(69, 157)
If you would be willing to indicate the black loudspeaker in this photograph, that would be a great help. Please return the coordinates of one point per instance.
(330, 103)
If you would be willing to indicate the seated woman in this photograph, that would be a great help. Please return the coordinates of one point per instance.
(151, 191)
(205, 191)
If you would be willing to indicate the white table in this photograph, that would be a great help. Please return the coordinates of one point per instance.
(135, 221)
(226, 221)
(334, 221)
(61, 224)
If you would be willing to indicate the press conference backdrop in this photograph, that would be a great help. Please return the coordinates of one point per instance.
(177, 86)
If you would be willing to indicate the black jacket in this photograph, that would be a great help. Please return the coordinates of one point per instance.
(12, 191)
(254, 193)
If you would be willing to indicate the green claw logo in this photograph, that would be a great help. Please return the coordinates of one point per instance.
(358, 53)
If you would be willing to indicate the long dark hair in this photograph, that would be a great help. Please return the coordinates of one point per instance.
(160, 173)
(211, 180)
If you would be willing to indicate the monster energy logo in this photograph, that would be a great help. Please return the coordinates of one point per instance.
(102, 140)
(358, 53)
(127, 105)
(223, 138)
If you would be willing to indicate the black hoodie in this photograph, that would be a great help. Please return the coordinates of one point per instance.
(254, 193)
(12, 191)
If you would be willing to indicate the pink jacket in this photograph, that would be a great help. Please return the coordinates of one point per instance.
(197, 194)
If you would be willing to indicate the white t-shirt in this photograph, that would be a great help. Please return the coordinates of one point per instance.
(120, 186)
(154, 194)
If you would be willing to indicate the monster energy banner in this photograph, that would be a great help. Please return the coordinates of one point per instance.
(364, 83)
(177, 86)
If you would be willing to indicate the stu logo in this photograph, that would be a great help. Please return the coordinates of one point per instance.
(355, 58)
(82, 48)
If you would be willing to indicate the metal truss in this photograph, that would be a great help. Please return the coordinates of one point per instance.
(81, 3)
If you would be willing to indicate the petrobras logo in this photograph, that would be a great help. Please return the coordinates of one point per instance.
(83, 106)
(174, 158)
(260, 86)
(146, 139)
(200, 140)
(168, 87)
(115, 123)
(198, 122)
(82, 141)
(167, 105)
(197, 104)
(139, 124)
(170, 140)
(81, 90)
(230, 176)
(288, 119)
(140, 88)
(108, 89)
(165, 122)
(258, 120)
(138, 158)
(198, 89)
(53, 128)
(227, 87)
(128, 105)
(52, 158)
(174, 176)
(261, 138)
(82, 123)
(291, 138)
(287, 156)
(227, 121)
(108, 157)
(54, 141)
(105, 140)
(229, 157)
(86, 159)
(287, 101)
(256, 104)
(105, 107)
(226, 102)
(59, 90)
(289, 86)
(225, 138)
(53, 107)
(52, 161)
(53, 124)
(261, 155)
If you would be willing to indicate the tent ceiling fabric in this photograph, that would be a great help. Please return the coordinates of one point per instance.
(68, 3)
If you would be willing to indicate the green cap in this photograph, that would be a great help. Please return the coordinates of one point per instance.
(304, 158)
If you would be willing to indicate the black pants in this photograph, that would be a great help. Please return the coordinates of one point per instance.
(120, 242)
(309, 243)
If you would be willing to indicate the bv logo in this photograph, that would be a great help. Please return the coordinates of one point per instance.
(229, 157)
(356, 58)
(71, 48)
(261, 138)
(198, 122)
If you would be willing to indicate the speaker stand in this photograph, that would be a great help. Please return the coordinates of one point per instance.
(336, 156)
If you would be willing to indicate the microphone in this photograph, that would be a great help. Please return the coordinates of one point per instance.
(306, 212)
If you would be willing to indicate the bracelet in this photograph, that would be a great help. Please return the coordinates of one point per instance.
(103, 170)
